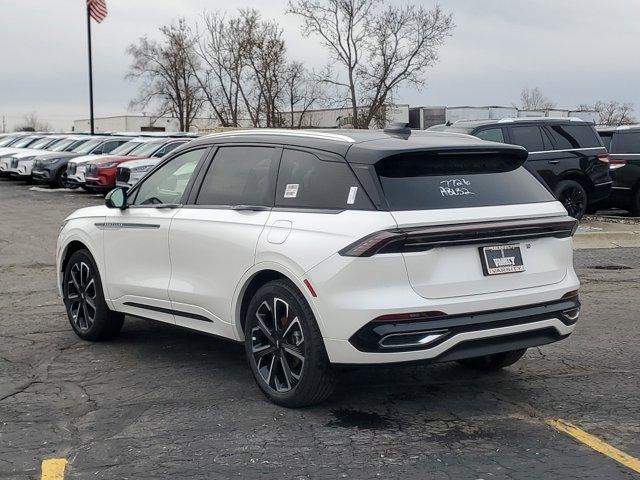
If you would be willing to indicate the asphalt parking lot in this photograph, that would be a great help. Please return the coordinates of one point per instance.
(160, 402)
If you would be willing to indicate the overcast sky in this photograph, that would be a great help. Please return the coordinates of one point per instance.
(576, 51)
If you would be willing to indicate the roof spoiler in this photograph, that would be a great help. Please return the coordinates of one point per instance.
(400, 129)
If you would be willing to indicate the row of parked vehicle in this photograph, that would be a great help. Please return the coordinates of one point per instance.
(586, 168)
(96, 163)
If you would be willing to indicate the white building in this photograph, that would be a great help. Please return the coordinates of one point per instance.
(321, 118)
(425, 117)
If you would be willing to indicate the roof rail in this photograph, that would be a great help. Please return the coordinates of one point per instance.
(292, 133)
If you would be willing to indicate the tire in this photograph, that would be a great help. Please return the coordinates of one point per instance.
(573, 196)
(490, 363)
(61, 179)
(82, 287)
(287, 358)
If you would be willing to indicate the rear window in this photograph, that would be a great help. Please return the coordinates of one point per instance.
(626, 143)
(424, 182)
(573, 136)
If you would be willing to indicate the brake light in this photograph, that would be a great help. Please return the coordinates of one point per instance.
(604, 157)
(420, 239)
(616, 163)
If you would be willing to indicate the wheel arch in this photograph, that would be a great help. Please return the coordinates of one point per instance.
(580, 178)
(256, 278)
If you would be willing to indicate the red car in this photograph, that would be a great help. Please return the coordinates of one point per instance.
(101, 172)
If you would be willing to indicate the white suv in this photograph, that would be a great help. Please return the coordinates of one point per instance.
(317, 249)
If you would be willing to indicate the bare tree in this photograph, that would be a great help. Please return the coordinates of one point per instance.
(614, 113)
(379, 47)
(220, 52)
(243, 70)
(302, 91)
(535, 100)
(166, 71)
(31, 123)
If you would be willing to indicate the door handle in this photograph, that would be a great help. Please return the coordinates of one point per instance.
(554, 162)
(255, 208)
(167, 205)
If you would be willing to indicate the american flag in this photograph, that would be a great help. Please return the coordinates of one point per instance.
(97, 9)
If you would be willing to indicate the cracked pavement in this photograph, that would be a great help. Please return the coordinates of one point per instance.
(161, 402)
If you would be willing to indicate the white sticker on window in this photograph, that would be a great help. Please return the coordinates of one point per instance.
(352, 195)
(291, 190)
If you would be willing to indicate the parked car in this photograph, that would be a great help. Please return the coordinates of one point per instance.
(22, 165)
(101, 172)
(565, 152)
(623, 144)
(19, 164)
(27, 145)
(18, 143)
(51, 168)
(76, 167)
(317, 249)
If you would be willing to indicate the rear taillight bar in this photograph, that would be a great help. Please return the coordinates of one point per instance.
(616, 163)
(419, 239)
(604, 157)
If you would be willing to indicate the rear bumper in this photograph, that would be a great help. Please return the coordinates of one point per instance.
(458, 336)
(600, 192)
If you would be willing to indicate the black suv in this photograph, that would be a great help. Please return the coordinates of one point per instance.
(623, 144)
(565, 152)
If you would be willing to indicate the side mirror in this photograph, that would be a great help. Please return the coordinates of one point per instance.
(116, 198)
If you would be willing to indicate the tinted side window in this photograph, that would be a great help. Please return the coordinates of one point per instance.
(491, 134)
(306, 181)
(626, 143)
(240, 176)
(529, 137)
(167, 184)
(573, 136)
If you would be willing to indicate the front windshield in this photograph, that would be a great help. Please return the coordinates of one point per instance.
(40, 143)
(146, 149)
(53, 143)
(25, 142)
(76, 144)
(7, 141)
(125, 148)
(61, 145)
(88, 146)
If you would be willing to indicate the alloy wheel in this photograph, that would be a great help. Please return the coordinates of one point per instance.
(81, 295)
(573, 200)
(278, 345)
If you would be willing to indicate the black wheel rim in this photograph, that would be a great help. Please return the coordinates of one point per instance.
(277, 343)
(81, 295)
(573, 200)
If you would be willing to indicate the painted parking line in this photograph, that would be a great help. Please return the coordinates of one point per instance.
(596, 444)
(53, 468)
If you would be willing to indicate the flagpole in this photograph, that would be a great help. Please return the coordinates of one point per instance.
(90, 71)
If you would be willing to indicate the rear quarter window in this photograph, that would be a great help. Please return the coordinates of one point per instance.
(491, 135)
(306, 181)
(419, 182)
(566, 137)
(626, 143)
